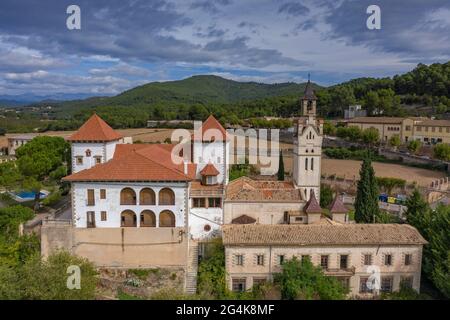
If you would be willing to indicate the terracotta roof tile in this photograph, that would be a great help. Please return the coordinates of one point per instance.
(246, 189)
(321, 234)
(95, 129)
(136, 163)
(209, 170)
(209, 129)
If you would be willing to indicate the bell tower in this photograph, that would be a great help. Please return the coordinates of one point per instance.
(308, 146)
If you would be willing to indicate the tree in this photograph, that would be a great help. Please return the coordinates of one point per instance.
(326, 195)
(280, 167)
(329, 128)
(9, 175)
(370, 136)
(434, 226)
(40, 159)
(366, 203)
(442, 151)
(414, 146)
(303, 280)
(395, 141)
(39, 279)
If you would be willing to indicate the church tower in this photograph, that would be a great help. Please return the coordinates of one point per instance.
(308, 146)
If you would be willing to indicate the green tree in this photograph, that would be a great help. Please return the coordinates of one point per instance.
(329, 128)
(211, 272)
(417, 210)
(302, 280)
(41, 158)
(326, 195)
(280, 173)
(46, 279)
(414, 146)
(442, 151)
(395, 141)
(366, 202)
(370, 136)
(9, 175)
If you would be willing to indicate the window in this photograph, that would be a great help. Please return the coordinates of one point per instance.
(306, 164)
(90, 219)
(406, 282)
(167, 219)
(88, 153)
(198, 202)
(447, 130)
(260, 259)
(103, 215)
(419, 128)
(363, 288)
(408, 259)
(433, 129)
(312, 163)
(367, 259)
(90, 197)
(214, 202)
(98, 159)
(324, 261)
(147, 197)
(211, 180)
(386, 284)
(408, 128)
(440, 129)
(79, 160)
(102, 193)
(148, 219)
(280, 259)
(388, 260)
(343, 261)
(239, 260)
(238, 285)
(128, 219)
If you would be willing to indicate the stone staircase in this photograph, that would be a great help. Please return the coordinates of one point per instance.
(191, 276)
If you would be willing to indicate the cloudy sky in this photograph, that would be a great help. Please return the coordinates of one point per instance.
(123, 44)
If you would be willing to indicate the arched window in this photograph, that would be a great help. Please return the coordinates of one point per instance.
(306, 163)
(166, 197)
(167, 219)
(127, 196)
(88, 153)
(128, 219)
(147, 197)
(312, 163)
(148, 219)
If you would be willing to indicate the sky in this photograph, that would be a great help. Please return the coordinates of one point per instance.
(123, 44)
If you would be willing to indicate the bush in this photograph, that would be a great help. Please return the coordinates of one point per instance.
(442, 151)
(52, 198)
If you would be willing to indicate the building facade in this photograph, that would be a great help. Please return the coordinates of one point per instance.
(355, 254)
(428, 131)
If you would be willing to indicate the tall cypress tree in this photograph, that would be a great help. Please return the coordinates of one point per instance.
(281, 167)
(366, 203)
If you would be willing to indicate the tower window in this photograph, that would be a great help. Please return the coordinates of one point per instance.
(312, 163)
(306, 164)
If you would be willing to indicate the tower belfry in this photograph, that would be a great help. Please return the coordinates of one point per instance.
(308, 145)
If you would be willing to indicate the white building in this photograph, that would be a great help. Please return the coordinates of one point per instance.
(115, 184)
(15, 142)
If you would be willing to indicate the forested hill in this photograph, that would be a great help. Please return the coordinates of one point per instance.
(203, 89)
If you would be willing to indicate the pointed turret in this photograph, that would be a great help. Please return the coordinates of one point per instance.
(338, 210)
(95, 129)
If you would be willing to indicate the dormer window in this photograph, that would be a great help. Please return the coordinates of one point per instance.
(88, 153)
(209, 174)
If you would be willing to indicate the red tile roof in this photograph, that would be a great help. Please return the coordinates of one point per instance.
(137, 162)
(210, 129)
(337, 206)
(312, 206)
(209, 170)
(95, 129)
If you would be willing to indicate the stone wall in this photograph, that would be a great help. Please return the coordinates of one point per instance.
(119, 247)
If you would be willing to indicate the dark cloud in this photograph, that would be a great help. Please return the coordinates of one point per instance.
(406, 26)
(293, 8)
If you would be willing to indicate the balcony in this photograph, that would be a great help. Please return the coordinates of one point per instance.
(340, 272)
